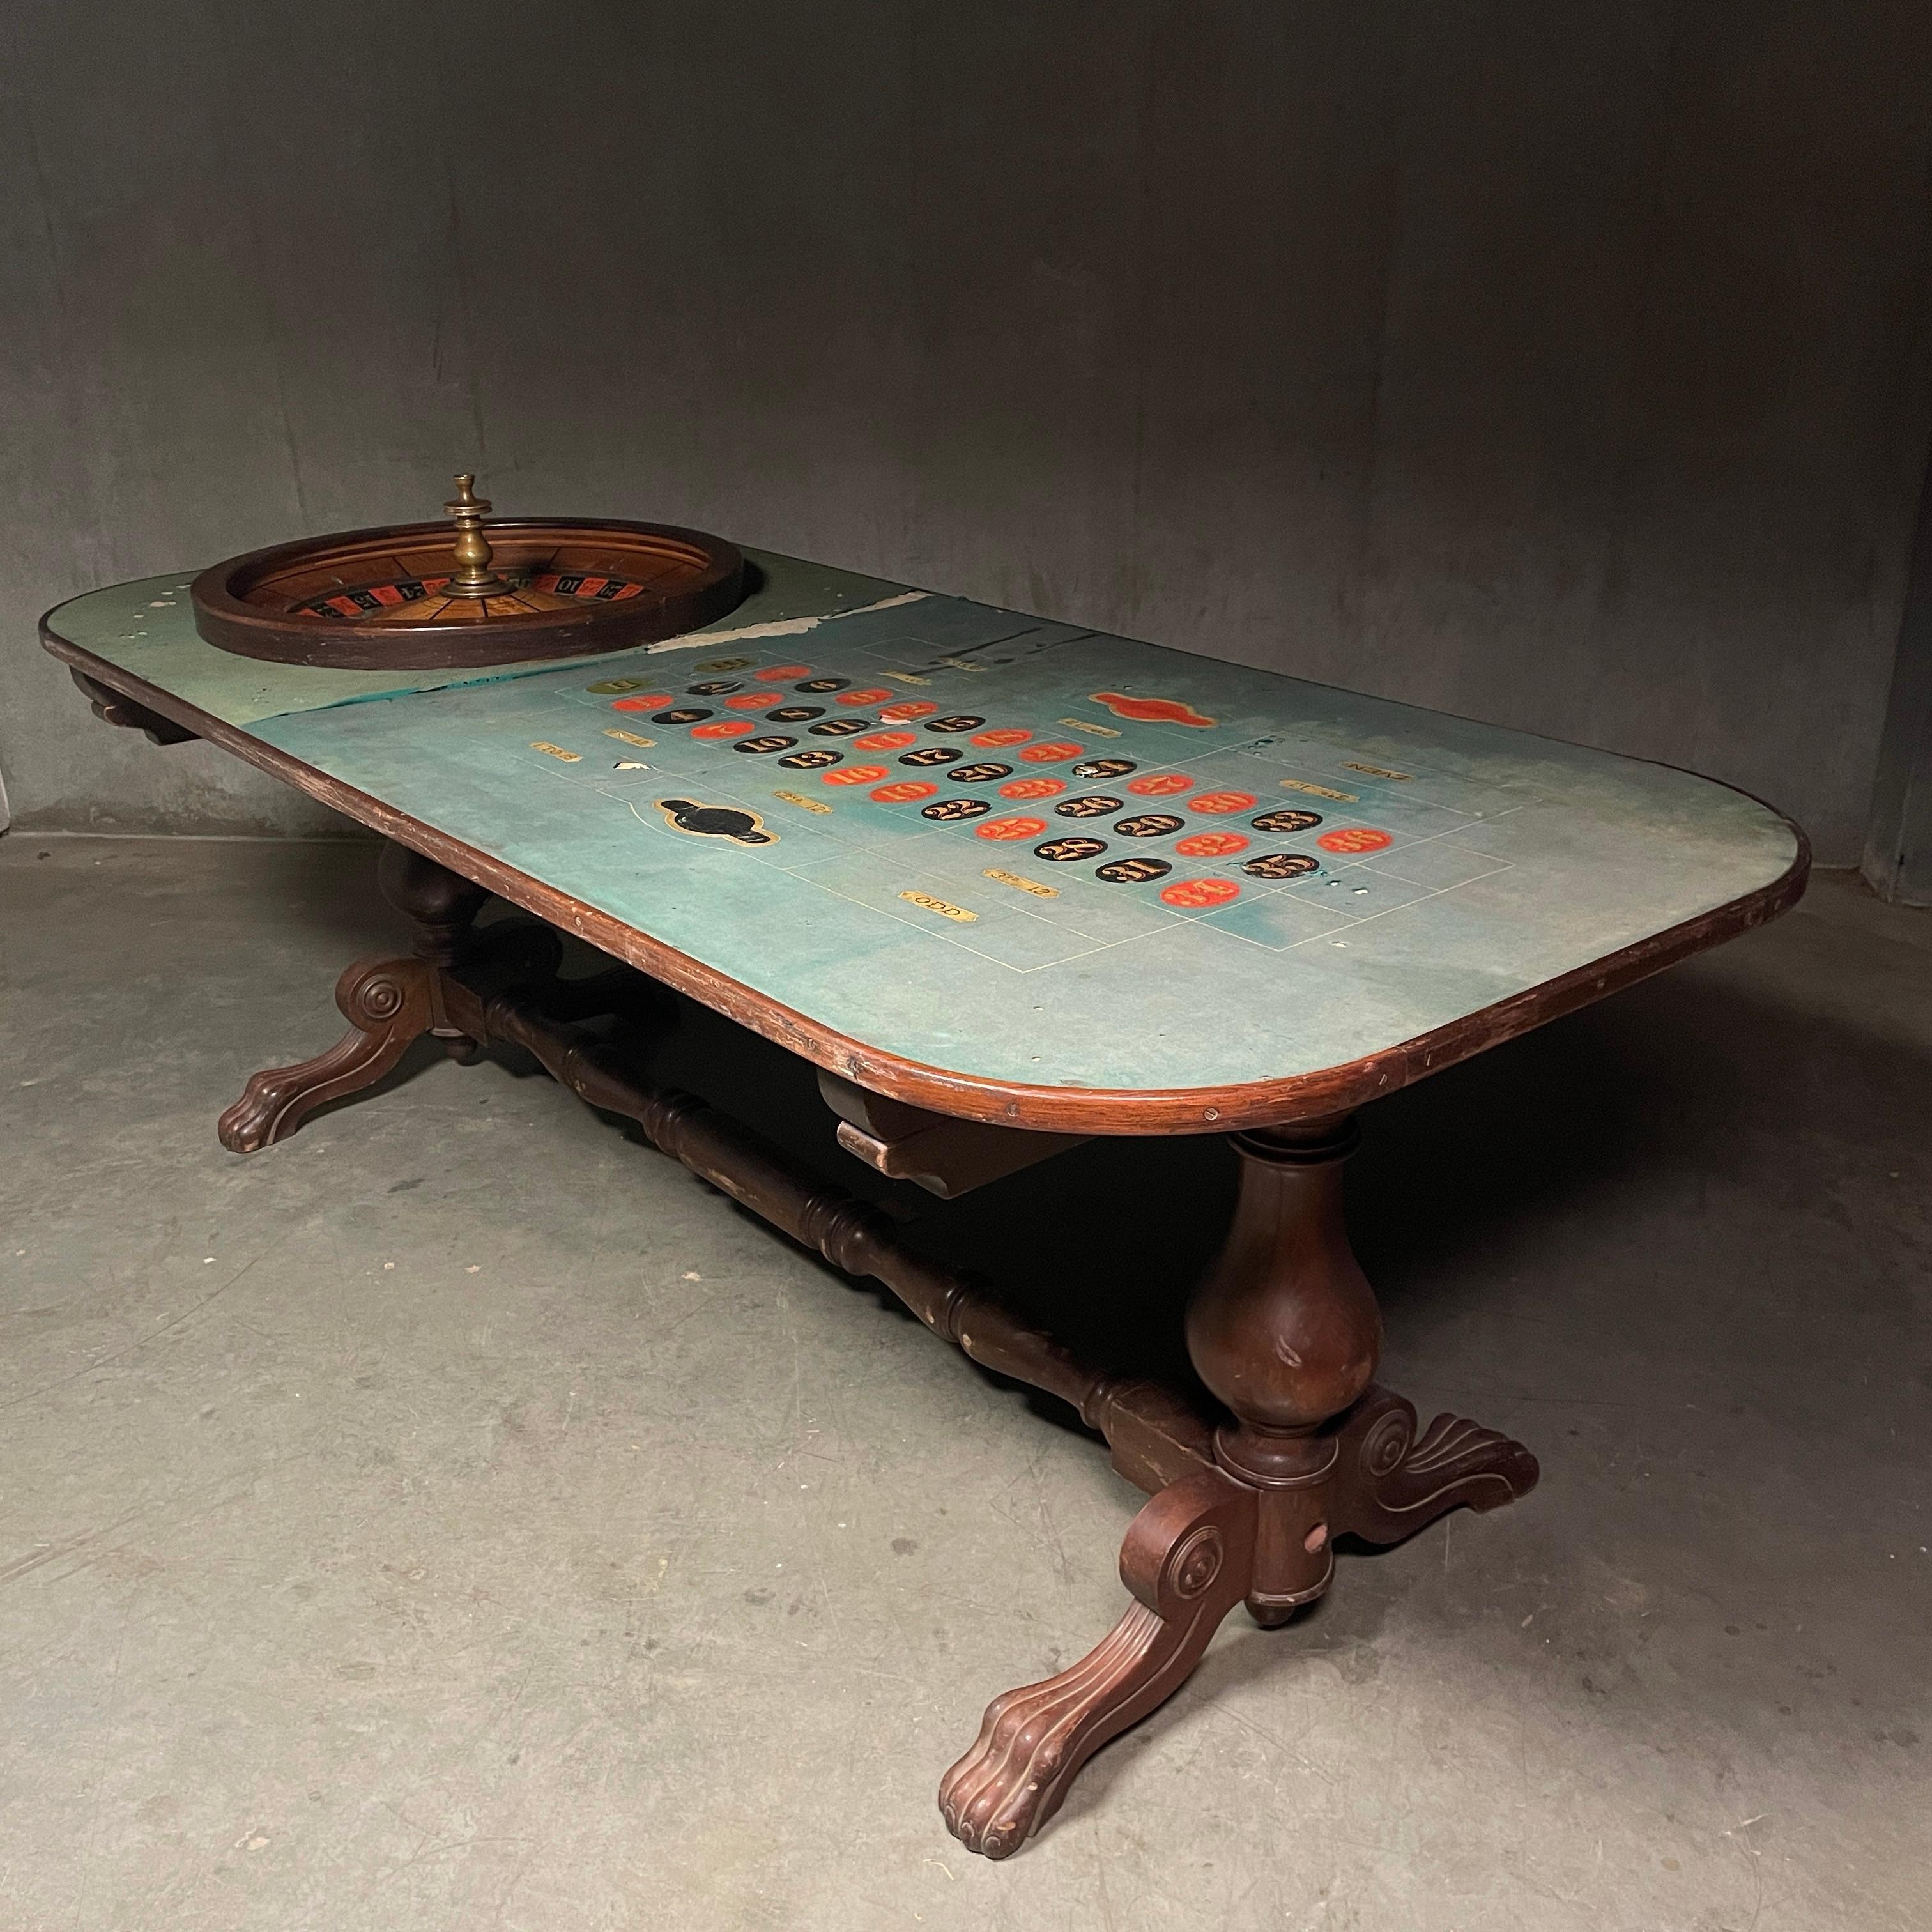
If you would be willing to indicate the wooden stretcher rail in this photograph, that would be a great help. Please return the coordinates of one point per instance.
(1283, 1330)
(1155, 1435)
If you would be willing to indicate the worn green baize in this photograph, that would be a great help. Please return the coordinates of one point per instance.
(1446, 865)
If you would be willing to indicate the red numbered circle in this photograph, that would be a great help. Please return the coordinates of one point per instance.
(1050, 754)
(725, 727)
(1011, 828)
(1160, 784)
(1033, 788)
(1001, 735)
(1195, 893)
(655, 702)
(1222, 801)
(1212, 845)
(853, 774)
(860, 698)
(907, 709)
(751, 701)
(779, 672)
(904, 793)
(1354, 839)
(884, 741)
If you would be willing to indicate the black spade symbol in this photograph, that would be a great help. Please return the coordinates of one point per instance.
(714, 821)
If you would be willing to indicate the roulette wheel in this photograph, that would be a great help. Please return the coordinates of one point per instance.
(418, 596)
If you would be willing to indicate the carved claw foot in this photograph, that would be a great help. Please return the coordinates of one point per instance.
(1390, 1481)
(388, 1003)
(1284, 1329)
(1187, 1558)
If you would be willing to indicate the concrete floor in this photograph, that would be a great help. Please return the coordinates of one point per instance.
(459, 1517)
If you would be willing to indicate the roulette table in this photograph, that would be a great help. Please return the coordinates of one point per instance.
(1007, 884)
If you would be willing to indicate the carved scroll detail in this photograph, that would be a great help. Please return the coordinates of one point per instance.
(1390, 1481)
(1283, 1327)
(1187, 1558)
(387, 1004)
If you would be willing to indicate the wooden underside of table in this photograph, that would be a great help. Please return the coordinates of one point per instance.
(1245, 1500)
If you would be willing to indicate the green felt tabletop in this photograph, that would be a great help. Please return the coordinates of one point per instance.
(1010, 850)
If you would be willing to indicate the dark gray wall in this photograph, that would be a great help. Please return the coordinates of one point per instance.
(1564, 365)
(1897, 861)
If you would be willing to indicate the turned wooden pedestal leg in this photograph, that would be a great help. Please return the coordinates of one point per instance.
(387, 1003)
(1284, 1329)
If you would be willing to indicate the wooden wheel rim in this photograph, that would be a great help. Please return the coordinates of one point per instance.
(710, 582)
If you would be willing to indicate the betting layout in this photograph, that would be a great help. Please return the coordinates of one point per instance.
(957, 796)
(1510, 860)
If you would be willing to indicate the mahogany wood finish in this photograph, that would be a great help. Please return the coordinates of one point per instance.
(111, 707)
(1194, 1552)
(1186, 1559)
(441, 906)
(1248, 1491)
(387, 1004)
(1155, 1435)
(390, 1003)
(503, 988)
(248, 604)
(1065, 1110)
(1284, 1329)
(946, 1157)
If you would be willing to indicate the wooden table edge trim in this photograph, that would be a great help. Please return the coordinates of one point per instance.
(966, 1096)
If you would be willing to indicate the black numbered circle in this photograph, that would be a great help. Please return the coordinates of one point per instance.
(1285, 821)
(1133, 872)
(822, 684)
(1281, 866)
(1148, 825)
(957, 722)
(933, 754)
(811, 761)
(946, 810)
(839, 727)
(794, 714)
(717, 687)
(1093, 806)
(1063, 851)
(1105, 768)
(980, 774)
(764, 744)
(689, 715)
